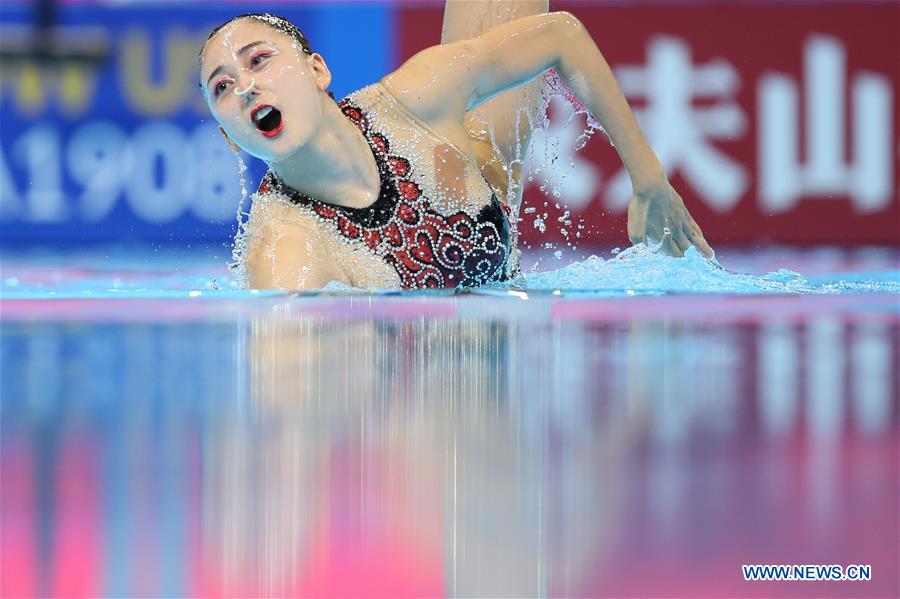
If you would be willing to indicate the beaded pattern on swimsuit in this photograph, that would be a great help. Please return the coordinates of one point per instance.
(426, 248)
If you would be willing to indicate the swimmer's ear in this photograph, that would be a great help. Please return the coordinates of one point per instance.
(234, 146)
(320, 71)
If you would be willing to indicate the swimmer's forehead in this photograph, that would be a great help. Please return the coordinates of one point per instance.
(224, 47)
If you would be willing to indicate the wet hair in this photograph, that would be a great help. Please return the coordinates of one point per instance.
(276, 22)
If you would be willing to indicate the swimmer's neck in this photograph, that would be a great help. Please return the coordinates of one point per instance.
(335, 165)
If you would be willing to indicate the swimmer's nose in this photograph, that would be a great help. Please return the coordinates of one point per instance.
(246, 87)
(252, 95)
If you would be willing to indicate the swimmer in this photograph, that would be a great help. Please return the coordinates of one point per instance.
(392, 187)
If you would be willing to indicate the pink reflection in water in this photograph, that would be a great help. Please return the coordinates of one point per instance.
(533, 453)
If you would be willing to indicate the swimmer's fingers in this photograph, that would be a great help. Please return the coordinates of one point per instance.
(670, 246)
(695, 235)
(681, 240)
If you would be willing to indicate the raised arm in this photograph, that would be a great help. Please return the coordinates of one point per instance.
(501, 128)
(460, 76)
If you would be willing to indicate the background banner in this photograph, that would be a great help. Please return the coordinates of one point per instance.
(128, 149)
(776, 121)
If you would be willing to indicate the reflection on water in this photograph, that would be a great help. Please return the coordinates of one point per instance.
(478, 451)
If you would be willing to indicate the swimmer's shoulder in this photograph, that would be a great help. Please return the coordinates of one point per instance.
(368, 97)
(286, 248)
(272, 215)
(388, 96)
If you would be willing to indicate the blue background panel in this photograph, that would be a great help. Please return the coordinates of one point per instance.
(127, 150)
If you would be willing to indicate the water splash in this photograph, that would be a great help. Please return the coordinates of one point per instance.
(639, 270)
(553, 141)
(238, 264)
(647, 269)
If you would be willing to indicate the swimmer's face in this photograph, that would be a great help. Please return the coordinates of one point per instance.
(273, 117)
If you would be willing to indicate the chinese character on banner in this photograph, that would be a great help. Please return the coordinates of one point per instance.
(777, 122)
(826, 173)
(680, 132)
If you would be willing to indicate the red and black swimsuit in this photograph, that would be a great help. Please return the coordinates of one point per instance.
(427, 249)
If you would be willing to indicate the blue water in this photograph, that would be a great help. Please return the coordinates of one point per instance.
(628, 425)
(634, 271)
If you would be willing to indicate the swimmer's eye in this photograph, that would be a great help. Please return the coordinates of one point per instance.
(259, 58)
(220, 87)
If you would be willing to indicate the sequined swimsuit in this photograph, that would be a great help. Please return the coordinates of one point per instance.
(426, 244)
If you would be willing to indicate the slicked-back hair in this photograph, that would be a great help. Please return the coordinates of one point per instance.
(274, 21)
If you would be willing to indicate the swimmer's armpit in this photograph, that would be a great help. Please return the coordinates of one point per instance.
(444, 81)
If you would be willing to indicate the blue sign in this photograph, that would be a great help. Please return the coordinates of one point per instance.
(126, 149)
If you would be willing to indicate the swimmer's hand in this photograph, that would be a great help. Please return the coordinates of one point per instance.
(657, 214)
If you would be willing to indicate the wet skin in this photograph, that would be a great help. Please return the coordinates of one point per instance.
(319, 153)
(252, 51)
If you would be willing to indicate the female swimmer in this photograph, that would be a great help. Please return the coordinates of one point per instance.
(392, 186)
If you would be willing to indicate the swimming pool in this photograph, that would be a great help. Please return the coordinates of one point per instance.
(634, 433)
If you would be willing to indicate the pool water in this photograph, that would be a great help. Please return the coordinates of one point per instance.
(630, 425)
(171, 273)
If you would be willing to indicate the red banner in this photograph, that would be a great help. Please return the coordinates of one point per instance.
(776, 122)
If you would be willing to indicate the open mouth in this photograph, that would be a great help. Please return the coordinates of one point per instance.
(267, 119)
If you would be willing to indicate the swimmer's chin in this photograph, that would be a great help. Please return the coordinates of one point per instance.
(275, 150)
(282, 147)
